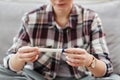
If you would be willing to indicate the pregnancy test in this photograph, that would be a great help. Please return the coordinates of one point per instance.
(51, 50)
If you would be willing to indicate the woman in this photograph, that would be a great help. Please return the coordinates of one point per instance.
(64, 25)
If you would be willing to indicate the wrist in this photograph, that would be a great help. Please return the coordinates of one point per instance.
(17, 58)
(92, 63)
(15, 63)
(89, 60)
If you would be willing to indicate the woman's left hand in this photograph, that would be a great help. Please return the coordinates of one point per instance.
(78, 57)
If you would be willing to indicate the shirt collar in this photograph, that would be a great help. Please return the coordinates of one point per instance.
(73, 19)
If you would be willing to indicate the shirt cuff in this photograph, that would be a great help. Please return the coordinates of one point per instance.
(6, 61)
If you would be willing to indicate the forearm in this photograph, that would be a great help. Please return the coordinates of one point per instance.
(15, 64)
(99, 70)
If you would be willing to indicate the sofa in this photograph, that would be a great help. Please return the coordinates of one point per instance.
(12, 12)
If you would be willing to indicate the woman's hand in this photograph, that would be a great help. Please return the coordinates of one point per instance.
(78, 57)
(27, 54)
(24, 55)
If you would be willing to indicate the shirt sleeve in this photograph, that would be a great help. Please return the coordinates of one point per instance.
(98, 44)
(21, 39)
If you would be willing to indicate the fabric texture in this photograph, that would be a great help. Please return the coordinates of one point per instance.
(27, 74)
(110, 16)
(83, 30)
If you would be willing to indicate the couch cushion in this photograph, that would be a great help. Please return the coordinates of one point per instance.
(110, 15)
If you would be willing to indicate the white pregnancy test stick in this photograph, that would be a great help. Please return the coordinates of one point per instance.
(50, 50)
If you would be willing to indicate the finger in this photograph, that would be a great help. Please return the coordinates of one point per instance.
(74, 60)
(74, 64)
(28, 49)
(74, 56)
(75, 51)
(28, 55)
(32, 59)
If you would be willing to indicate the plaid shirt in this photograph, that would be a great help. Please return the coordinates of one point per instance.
(83, 30)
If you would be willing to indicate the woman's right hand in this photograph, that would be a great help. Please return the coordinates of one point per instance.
(28, 54)
(24, 55)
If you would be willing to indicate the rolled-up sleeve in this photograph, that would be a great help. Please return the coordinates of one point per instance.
(99, 47)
